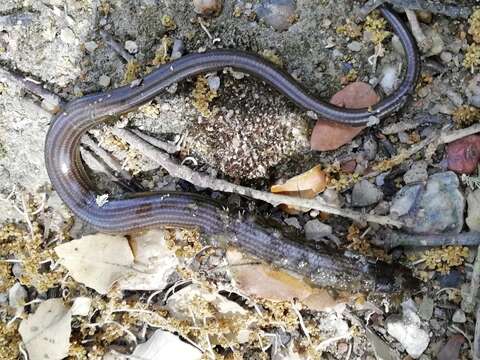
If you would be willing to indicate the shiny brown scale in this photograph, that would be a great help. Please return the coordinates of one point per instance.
(69, 178)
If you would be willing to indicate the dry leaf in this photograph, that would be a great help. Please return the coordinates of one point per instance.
(154, 261)
(306, 185)
(165, 345)
(327, 135)
(46, 333)
(97, 260)
(265, 282)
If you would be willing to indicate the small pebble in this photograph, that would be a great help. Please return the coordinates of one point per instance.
(451, 280)
(459, 316)
(437, 42)
(473, 213)
(91, 46)
(446, 57)
(425, 310)
(355, 46)
(67, 36)
(389, 79)
(418, 172)
(293, 221)
(403, 137)
(104, 81)
(473, 91)
(370, 147)
(277, 13)
(178, 49)
(365, 193)
(207, 7)
(463, 155)
(316, 230)
(131, 46)
(213, 82)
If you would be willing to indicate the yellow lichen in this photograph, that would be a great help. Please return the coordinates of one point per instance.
(350, 77)
(388, 164)
(272, 56)
(162, 52)
(202, 96)
(472, 57)
(9, 341)
(104, 8)
(376, 25)
(362, 245)
(132, 71)
(443, 259)
(338, 179)
(168, 22)
(350, 30)
(474, 28)
(466, 115)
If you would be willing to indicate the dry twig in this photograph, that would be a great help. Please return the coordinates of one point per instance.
(185, 173)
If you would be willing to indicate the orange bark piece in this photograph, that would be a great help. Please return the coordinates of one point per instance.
(327, 135)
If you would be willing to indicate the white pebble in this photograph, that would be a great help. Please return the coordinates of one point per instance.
(91, 46)
(213, 82)
(131, 46)
(355, 46)
(389, 79)
(104, 81)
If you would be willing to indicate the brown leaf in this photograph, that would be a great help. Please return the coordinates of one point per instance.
(265, 282)
(307, 185)
(463, 154)
(327, 135)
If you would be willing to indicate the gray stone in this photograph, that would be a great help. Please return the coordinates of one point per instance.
(473, 212)
(365, 193)
(293, 221)
(178, 49)
(355, 46)
(91, 46)
(406, 329)
(104, 81)
(425, 310)
(316, 230)
(434, 208)
(371, 147)
(418, 172)
(276, 13)
(131, 46)
(459, 317)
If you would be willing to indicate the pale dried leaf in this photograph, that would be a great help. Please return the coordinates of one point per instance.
(165, 345)
(308, 184)
(81, 306)
(154, 262)
(46, 333)
(97, 260)
(265, 282)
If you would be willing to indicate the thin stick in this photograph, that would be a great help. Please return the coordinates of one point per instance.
(165, 146)
(115, 46)
(205, 181)
(54, 101)
(393, 239)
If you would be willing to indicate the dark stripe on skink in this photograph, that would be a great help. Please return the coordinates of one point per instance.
(69, 178)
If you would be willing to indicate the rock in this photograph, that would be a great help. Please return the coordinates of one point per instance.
(364, 193)
(355, 46)
(91, 46)
(277, 13)
(213, 82)
(207, 7)
(418, 172)
(67, 36)
(425, 309)
(17, 296)
(446, 57)
(459, 316)
(104, 81)
(316, 230)
(434, 208)
(178, 48)
(437, 43)
(381, 349)
(473, 217)
(329, 136)
(463, 154)
(293, 221)
(131, 46)
(406, 329)
(371, 147)
(451, 350)
(389, 79)
(453, 279)
(473, 91)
